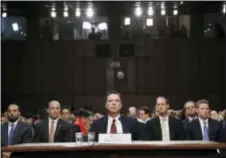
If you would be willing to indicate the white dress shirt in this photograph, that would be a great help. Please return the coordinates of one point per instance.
(55, 124)
(164, 121)
(202, 125)
(191, 118)
(118, 124)
(10, 126)
(143, 121)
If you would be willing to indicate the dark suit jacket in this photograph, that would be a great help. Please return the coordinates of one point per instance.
(63, 132)
(185, 122)
(153, 129)
(194, 131)
(22, 134)
(223, 132)
(128, 126)
(75, 129)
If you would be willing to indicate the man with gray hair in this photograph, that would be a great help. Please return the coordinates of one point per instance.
(132, 112)
(53, 129)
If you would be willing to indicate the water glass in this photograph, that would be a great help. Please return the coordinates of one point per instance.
(79, 137)
(91, 137)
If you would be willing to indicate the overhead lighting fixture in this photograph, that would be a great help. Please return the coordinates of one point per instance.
(86, 25)
(66, 14)
(150, 11)
(127, 21)
(90, 12)
(102, 26)
(77, 12)
(149, 22)
(4, 14)
(15, 26)
(163, 9)
(138, 11)
(224, 8)
(53, 12)
(175, 10)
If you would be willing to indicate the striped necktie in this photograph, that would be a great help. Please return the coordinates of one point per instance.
(205, 131)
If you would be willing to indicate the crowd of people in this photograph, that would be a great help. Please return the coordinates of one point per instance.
(195, 122)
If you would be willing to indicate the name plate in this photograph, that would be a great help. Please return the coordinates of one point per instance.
(115, 138)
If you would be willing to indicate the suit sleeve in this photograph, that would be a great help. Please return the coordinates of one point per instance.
(188, 132)
(181, 131)
(28, 136)
(36, 137)
(68, 133)
(145, 133)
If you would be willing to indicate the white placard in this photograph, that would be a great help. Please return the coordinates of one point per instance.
(115, 138)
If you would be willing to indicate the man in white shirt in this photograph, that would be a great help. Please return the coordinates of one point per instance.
(114, 122)
(164, 127)
(203, 128)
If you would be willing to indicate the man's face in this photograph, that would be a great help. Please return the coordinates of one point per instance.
(142, 115)
(214, 115)
(65, 114)
(132, 112)
(113, 103)
(162, 106)
(54, 110)
(13, 113)
(203, 110)
(190, 109)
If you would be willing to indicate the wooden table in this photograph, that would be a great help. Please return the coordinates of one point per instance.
(153, 149)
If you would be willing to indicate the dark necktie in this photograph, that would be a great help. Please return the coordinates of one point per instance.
(10, 137)
(113, 127)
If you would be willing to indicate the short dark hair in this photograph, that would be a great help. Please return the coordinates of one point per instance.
(146, 109)
(202, 101)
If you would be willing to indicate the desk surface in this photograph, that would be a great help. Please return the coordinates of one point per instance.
(138, 145)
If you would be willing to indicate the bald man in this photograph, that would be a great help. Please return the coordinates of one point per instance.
(15, 131)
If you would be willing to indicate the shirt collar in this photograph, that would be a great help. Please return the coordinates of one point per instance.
(111, 118)
(164, 118)
(202, 121)
(55, 121)
(13, 123)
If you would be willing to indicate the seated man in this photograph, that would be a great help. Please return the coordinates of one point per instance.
(114, 122)
(14, 131)
(203, 128)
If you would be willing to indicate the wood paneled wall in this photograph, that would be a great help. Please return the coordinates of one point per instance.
(70, 72)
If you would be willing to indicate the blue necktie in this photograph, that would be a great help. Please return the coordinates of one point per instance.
(10, 138)
(206, 132)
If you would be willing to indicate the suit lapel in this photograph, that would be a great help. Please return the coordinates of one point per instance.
(5, 133)
(171, 128)
(58, 127)
(105, 120)
(46, 129)
(199, 129)
(17, 129)
(211, 127)
(124, 125)
(158, 129)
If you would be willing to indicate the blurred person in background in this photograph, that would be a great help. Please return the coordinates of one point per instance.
(83, 121)
(190, 112)
(66, 114)
(29, 118)
(214, 115)
(132, 112)
(144, 114)
(3, 119)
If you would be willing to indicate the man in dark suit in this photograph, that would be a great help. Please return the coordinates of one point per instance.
(53, 129)
(163, 127)
(114, 122)
(190, 112)
(203, 128)
(223, 131)
(15, 131)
